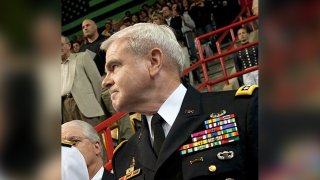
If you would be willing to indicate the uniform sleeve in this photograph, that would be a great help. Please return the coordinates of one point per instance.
(238, 67)
(73, 165)
(237, 63)
(252, 129)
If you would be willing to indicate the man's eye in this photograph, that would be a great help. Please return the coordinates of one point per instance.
(74, 139)
(114, 66)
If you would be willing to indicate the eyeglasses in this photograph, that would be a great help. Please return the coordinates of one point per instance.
(74, 139)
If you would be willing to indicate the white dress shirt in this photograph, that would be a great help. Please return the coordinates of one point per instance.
(65, 77)
(169, 110)
(99, 174)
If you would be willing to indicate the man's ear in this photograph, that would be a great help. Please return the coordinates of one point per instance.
(156, 60)
(97, 148)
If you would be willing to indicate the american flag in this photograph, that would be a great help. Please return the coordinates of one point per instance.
(75, 11)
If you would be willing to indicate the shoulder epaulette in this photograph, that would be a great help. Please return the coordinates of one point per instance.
(119, 146)
(246, 90)
(67, 143)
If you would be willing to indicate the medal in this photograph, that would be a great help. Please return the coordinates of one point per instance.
(131, 172)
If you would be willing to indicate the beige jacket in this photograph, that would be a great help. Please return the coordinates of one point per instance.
(86, 84)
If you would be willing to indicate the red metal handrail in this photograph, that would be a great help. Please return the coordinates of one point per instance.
(195, 65)
(104, 128)
(235, 20)
(219, 55)
(252, 18)
(227, 77)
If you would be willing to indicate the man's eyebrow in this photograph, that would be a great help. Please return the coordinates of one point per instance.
(111, 61)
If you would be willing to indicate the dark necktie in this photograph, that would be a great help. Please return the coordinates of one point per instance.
(156, 126)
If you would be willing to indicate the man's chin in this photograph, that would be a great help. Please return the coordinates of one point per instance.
(116, 107)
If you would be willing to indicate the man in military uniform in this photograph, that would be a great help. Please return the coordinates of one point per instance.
(247, 58)
(185, 134)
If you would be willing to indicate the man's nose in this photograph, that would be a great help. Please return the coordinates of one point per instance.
(107, 82)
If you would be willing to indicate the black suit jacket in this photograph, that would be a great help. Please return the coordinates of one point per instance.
(195, 109)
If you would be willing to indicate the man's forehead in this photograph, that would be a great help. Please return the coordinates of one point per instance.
(116, 50)
(117, 45)
(112, 51)
(85, 22)
(242, 31)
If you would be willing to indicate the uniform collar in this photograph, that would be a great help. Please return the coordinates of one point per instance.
(99, 174)
(170, 108)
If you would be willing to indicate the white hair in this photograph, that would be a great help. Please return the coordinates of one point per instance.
(87, 130)
(66, 40)
(142, 37)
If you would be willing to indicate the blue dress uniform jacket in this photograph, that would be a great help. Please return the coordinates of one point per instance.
(203, 164)
(246, 58)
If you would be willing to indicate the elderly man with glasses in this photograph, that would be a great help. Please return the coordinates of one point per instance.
(87, 140)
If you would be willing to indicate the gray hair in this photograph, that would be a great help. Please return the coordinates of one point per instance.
(66, 40)
(142, 37)
(87, 130)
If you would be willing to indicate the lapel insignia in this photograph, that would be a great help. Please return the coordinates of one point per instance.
(200, 159)
(189, 111)
(221, 113)
(219, 130)
(131, 172)
(225, 155)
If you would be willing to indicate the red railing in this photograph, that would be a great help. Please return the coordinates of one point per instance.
(237, 19)
(202, 61)
(246, 10)
(104, 129)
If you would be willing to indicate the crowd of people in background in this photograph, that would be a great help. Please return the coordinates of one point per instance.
(188, 19)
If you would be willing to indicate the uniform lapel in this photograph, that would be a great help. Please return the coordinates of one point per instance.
(186, 122)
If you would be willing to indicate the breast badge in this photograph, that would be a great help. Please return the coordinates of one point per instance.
(131, 172)
(219, 129)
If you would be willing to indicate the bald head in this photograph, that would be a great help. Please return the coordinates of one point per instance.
(90, 30)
